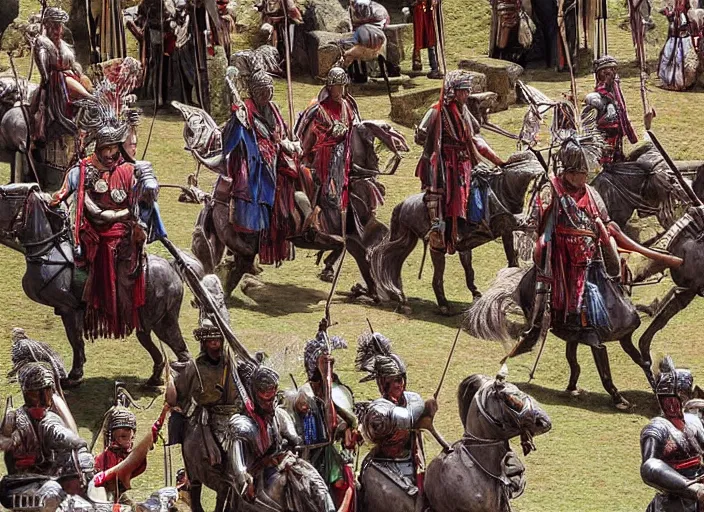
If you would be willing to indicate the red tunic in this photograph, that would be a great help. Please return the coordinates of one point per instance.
(110, 458)
(423, 25)
(103, 247)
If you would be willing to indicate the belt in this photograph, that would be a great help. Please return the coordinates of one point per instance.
(691, 463)
(567, 231)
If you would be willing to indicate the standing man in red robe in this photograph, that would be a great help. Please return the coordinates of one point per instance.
(424, 35)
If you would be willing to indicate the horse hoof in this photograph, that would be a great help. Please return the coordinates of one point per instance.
(405, 309)
(327, 276)
(445, 311)
(70, 383)
(476, 294)
(576, 392)
(358, 290)
(154, 382)
(621, 403)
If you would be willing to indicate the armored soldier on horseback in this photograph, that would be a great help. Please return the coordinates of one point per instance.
(672, 445)
(264, 471)
(451, 148)
(392, 423)
(46, 459)
(114, 219)
(323, 412)
(324, 130)
(609, 107)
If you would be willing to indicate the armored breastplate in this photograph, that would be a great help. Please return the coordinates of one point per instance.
(679, 448)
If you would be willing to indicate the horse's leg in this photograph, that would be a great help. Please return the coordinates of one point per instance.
(243, 263)
(328, 272)
(601, 359)
(221, 500)
(509, 249)
(73, 325)
(466, 260)
(169, 331)
(630, 349)
(575, 369)
(359, 253)
(676, 300)
(145, 339)
(196, 489)
(438, 259)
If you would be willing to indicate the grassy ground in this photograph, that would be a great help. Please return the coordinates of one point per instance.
(588, 462)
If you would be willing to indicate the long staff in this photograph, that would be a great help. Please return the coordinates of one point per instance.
(289, 83)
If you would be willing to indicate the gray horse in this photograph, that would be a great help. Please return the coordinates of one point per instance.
(643, 184)
(515, 287)
(504, 192)
(13, 126)
(492, 411)
(42, 233)
(683, 239)
(213, 232)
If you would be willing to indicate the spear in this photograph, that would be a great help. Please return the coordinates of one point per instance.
(638, 33)
(289, 83)
(565, 46)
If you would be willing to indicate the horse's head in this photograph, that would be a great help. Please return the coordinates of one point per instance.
(200, 132)
(25, 214)
(363, 152)
(496, 410)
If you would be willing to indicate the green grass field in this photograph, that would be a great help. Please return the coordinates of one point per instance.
(588, 462)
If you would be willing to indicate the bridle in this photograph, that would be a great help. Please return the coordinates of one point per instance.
(515, 417)
(39, 252)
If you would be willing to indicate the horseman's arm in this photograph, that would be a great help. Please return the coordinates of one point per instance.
(69, 186)
(41, 56)
(105, 216)
(486, 151)
(287, 428)
(243, 432)
(657, 473)
(427, 127)
(58, 436)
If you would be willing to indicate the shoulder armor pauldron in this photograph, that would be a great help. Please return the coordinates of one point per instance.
(243, 427)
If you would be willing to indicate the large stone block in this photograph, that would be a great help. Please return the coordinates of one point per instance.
(327, 16)
(500, 75)
(408, 107)
(396, 37)
(323, 53)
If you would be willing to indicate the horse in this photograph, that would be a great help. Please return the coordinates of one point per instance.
(42, 233)
(683, 239)
(492, 411)
(643, 183)
(213, 232)
(505, 195)
(487, 319)
(14, 148)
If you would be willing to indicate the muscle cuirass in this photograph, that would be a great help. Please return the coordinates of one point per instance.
(680, 448)
(389, 426)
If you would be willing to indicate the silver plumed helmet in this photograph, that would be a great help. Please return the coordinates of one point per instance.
(673, 382)
(375, 357)
(316, 348)
(112, 133)
(259, 83)
(580, 153)
(603, 62)
(337, 76)
(458, 79)
(55, 15)
(36, 376)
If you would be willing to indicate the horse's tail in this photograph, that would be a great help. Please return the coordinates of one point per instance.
(388, 256)
(487, 317)
(466, 391)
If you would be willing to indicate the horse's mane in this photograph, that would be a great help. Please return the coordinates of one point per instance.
(466, 391)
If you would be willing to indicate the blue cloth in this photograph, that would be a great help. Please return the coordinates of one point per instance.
(150, 216)
(251, 213)
(310, 429)
(477, 204)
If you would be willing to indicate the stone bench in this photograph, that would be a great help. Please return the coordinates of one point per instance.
(322, 52)
(500, 75)
(408, 107)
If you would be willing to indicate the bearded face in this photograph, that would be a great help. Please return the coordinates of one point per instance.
(607, 76)
(575, 180)
(54, 31)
